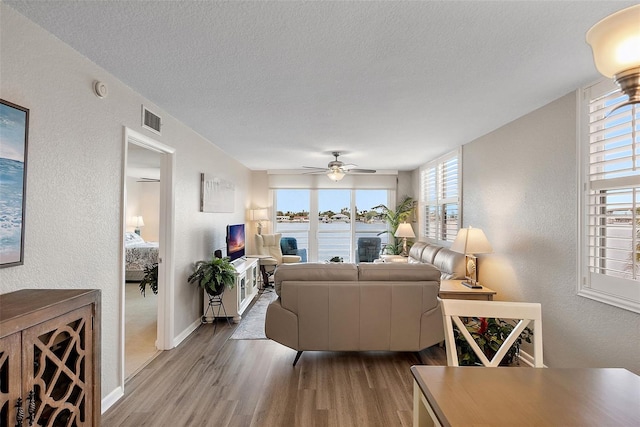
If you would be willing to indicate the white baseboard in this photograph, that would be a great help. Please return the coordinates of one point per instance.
(111, 398)
(184, 334)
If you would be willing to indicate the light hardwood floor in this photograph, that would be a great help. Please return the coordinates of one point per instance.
(212, 381)
(140, 328)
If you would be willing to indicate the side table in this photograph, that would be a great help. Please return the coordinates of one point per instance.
(454, 289)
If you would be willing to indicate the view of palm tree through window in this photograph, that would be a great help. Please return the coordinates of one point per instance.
(341, 217)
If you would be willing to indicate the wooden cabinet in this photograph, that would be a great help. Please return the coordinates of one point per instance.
(236, 300)
(50, 358)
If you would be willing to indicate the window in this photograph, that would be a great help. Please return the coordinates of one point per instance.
(440, 197)
(610, 200)
(328, 222)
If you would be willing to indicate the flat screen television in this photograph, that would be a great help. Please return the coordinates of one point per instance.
(235, 241)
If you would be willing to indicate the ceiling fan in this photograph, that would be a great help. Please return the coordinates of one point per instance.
(336, 169)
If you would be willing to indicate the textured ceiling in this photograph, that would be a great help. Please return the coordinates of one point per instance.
(278, 85)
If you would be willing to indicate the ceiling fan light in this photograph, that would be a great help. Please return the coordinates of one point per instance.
(615, 42)
(335, 174)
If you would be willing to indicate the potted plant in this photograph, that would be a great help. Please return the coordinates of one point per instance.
(214, 275)
(489, 333)
(403, 211)
(150, 278)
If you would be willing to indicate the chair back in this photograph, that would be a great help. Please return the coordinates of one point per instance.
(368, 248)
(289, 246)
(525, 313)
(269, 244)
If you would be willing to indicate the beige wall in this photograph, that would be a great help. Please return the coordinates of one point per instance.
(74, 180)
(520, 187)
(143, 199)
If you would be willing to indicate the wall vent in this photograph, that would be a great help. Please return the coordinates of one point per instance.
(151, 121)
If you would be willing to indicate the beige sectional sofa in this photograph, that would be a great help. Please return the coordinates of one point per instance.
(450, 263)
(349, 307)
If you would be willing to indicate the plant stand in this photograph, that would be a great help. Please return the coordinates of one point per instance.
(215, 301)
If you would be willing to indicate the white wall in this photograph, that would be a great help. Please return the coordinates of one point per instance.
(74, 180)
(520, 187)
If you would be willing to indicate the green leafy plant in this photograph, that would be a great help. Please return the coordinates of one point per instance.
(336, 259)
(489, 333)
(214, 275)
(150, 278)
(394, 218)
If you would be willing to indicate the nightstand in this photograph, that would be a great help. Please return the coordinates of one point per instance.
(454, 289)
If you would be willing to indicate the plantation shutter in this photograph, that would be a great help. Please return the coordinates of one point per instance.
(612, 199)
(440, 197)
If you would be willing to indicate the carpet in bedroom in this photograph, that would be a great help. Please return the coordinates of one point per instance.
(251, 327)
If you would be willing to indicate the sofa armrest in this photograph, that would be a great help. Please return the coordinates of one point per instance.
(281, 325)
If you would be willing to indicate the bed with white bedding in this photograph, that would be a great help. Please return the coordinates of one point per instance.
(138, 255)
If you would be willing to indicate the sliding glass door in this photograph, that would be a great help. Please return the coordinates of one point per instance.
(334, 225)
(329, 222)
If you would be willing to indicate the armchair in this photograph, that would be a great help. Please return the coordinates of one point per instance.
(270, 254)
(368, 249)
(289, 246)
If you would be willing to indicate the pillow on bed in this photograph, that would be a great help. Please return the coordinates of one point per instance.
(132, 238)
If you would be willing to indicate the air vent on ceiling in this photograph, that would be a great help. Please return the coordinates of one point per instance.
(151, 121)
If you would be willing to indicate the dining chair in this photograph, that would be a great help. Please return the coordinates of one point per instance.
(526, 314)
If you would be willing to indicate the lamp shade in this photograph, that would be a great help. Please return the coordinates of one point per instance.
(615, 42)
(137, 221)
(405, 230)
(260, 214)
(471, 241)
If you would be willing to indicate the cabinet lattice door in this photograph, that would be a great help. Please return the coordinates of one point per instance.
(58, 363)
(10, 383)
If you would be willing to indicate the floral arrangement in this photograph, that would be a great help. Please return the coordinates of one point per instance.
(489, 333)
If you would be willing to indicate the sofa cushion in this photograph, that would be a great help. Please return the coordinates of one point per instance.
(415, 253)
(333, 272)
(398, 272)
(429, 253)
(450, 264)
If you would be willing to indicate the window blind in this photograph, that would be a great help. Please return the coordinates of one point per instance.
(612, 198)
(439, 182)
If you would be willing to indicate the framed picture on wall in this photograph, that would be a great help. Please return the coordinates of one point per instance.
(14, 132)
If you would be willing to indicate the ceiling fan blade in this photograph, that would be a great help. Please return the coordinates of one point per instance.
(362, 170)
(314, 167)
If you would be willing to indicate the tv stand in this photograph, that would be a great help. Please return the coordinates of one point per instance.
(237, 300)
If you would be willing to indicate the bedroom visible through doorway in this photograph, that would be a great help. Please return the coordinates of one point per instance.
(164, 156)
(142, 225)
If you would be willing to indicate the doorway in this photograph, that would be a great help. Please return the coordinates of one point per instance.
(148, 192)
(142, 213)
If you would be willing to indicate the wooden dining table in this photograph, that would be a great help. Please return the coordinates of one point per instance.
(513, 396)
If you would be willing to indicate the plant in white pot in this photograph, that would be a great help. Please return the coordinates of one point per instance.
(214, 275)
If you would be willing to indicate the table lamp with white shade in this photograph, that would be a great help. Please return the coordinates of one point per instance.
(471, 241)
(259, 215)
(137, 223)
(405, 231)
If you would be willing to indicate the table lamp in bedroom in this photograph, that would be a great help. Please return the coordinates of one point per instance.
(137, 222)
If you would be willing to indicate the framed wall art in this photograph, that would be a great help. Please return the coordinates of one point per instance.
(14, 133)
(217, 194)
